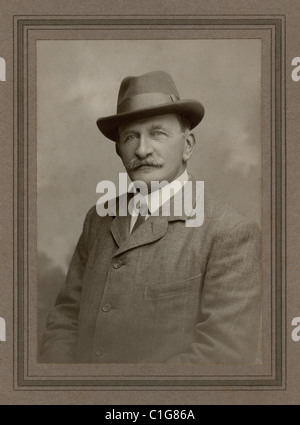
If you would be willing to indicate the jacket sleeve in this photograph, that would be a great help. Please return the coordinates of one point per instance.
(230, 302)
(60, 338)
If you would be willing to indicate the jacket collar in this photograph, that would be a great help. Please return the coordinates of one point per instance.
(155, 227)
(182, 208)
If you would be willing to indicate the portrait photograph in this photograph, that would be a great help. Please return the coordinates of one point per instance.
(185, 110)
(149, 204)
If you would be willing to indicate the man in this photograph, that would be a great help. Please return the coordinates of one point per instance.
(148, 287)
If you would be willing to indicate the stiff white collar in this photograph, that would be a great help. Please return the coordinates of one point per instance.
(157, 198)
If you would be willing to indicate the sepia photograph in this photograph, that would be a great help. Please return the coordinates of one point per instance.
(150, 205)
(149, 201)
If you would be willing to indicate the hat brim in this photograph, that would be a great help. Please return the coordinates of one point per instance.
(192, 110)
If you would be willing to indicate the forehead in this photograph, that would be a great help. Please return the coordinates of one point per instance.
(165, 121)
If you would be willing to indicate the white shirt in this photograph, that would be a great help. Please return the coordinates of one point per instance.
(157, 198)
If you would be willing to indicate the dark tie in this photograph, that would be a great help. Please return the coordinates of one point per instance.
(143, 211)
(139, 221)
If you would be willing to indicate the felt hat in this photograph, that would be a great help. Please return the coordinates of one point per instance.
(148, 95)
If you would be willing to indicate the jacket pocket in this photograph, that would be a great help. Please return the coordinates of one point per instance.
(170, 289)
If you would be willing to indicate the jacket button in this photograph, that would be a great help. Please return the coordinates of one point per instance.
(106, 307)
(117, 264)
(100, 351)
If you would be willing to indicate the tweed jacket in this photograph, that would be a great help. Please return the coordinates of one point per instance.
(165, 293)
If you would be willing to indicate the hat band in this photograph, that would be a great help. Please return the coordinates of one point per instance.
(145, 100)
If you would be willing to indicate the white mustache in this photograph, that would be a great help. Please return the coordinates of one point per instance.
(153, 161)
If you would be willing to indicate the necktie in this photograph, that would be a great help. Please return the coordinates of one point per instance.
(143, 208)
(139, 221)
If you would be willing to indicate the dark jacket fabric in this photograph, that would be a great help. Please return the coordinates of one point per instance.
(165, 293)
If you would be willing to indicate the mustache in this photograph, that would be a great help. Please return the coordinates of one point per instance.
(154, 161)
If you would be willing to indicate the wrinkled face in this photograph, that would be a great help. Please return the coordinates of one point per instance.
(155, 149)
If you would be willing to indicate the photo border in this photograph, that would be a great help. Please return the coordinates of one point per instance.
(22, 24)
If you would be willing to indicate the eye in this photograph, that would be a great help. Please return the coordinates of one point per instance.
(130, 138)
(158, 133)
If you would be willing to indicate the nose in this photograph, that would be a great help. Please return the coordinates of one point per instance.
(144, 147)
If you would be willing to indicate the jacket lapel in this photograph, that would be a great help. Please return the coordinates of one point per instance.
(151, 230)
(154, 228)
(120, 229)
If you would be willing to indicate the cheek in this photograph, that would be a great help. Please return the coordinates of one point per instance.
(175, 154)
(125, 153)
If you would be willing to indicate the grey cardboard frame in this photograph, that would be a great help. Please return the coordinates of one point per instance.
(24, 240)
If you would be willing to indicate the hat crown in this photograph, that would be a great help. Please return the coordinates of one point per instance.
(151, 82)
(148, 95)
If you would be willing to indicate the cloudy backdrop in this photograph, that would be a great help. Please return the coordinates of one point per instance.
(78, 81)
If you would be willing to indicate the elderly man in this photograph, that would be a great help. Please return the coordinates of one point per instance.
(148, 287)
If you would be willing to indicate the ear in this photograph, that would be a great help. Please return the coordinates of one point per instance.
(188, 146)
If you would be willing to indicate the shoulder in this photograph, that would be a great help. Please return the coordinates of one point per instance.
(93, 218)
(219, 216)
(231, 234)
(105, 211)
(223, 219)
